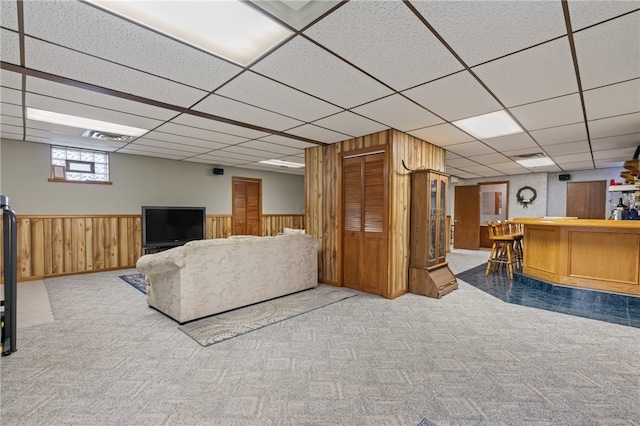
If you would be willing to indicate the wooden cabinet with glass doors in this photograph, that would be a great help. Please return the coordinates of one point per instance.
(429, 273)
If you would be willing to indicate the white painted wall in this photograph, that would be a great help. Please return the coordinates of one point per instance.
(137, 181)
(552, 192)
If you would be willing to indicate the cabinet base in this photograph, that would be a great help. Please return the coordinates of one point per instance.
(435, 282)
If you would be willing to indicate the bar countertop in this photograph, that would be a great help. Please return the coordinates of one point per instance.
(589, 253)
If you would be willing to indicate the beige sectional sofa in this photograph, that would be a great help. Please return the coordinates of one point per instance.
(207, 277)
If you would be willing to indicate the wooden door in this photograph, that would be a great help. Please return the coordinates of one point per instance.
(246, 206)
(364, 233)
(466, 222)
(586, 200)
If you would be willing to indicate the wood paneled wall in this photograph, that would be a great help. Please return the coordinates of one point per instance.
(62, 245)
(322, 201)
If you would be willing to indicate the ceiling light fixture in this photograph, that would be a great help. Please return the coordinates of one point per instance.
(282, 163)
(490, 125)
(536, 162)
(229, 29)
(83, 123)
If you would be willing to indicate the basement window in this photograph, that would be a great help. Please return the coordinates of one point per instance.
(79, 165)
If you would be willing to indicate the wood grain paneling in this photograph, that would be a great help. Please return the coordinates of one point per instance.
(60, 245)
(323, 180)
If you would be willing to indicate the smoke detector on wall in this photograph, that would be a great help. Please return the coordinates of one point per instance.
(103, 136)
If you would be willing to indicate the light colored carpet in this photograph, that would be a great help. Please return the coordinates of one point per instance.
(208, 331)
(466, 359)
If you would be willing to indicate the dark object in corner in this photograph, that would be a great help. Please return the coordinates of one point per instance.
(565, 177)
(218, 171)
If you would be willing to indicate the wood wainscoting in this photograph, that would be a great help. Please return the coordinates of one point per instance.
(55, 245)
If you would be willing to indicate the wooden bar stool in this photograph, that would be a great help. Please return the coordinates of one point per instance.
(502, 252)
(517, 230)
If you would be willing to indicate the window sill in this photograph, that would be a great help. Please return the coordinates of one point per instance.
(90, 182)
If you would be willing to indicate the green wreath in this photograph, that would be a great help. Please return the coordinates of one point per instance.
(525, 201)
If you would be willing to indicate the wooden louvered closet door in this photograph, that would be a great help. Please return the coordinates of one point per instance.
(364, 248)
(247, 206)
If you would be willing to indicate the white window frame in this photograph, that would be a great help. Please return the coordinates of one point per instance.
(78, 165)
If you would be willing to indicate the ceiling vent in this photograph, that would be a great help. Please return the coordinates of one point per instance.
(527, 156)
(103, 136)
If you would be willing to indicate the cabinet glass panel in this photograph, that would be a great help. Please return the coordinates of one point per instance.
(433, 211)
(441, 224)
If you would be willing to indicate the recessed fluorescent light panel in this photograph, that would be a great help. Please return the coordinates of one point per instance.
(282, 163)
(490, 125)
(83, 123)
(536, 162)
(228, 28)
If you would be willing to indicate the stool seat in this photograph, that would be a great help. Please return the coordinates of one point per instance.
(503, 249)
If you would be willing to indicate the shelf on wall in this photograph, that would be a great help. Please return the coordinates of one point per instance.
(622, 188)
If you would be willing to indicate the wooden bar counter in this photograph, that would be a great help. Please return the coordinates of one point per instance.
(588, 253)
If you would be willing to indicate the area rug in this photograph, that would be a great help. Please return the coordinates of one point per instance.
(136, 281)
(210, 330)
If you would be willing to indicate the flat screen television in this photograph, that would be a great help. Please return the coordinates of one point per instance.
(165, 227)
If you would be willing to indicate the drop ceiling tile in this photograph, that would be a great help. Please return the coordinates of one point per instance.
(510, 167)
(398, 112)
(451, 155)
(568, 148)
(318, 134)
(580, 165)
(262, 92)
(461, 163)
(525, 76)
(10, 120)
(293, 143)
(490, 173)
(623, 124)
(10, 79)
(11, 96)
(179, 142)
(348, 88)
(479, 31)
(442, 135)
(470, 149)
(546, 169)
(584, 157)
(206, 160)
(246, 151)
(609, 52)
(61, 61)
(489, 159)
(614, 142)
(37, 135)
(10, 128)
(561, 134)
(86, 111)
(479, 170)
(293, 159)
(11, 109)
(608, 164)
(452, 170)
(275, 169)
(270, 147)
(511, 142)
(90, 30)
(358, 33)
(585, 13)
(142, 145)
(218, 126)
(154, 143)
(454, 97)
(232, 156)
(88, 97)
(609, 101)
(228, 108)
(524, 151)
(350, 124)
(202, 145)
(55, 128)
(550, 113)
(10, 135)
(9, 46)
(9, 14)
(197, 133)
(136, 151)
(465, 175)
(297, 14)
(617, 154)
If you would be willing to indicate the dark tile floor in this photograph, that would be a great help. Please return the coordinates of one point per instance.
(526, 291)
